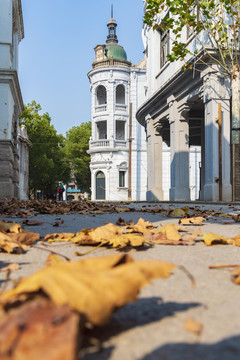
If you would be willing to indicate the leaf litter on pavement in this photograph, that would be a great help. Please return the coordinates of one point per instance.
(45, 310)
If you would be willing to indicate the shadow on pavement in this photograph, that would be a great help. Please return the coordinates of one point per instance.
(143, 312)
(227, 349)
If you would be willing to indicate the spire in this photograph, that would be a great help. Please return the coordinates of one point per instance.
(112, 37)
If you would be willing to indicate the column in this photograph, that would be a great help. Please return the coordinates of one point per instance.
(154, 162)
(179, 148)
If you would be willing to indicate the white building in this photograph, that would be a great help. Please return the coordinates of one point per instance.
(181, 113)
(11, 103)
(118, 142)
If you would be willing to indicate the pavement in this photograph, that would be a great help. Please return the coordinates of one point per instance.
(153, 327)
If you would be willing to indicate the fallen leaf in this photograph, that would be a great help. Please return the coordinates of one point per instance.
(94, 287)
(192, 221)
(40, 329)
(9, 245)
(194, 234)
(171, 232)
(32, 222)
(236, 218)
(59, 237)
(213, 239)
(25, 238)
(141, 226)
(10, 227)
(178, 212)
(10, 267)
(236, 275)
(193, 326)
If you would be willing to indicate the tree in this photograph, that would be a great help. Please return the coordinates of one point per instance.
(76, 146)
(216, 28)
(47, 161)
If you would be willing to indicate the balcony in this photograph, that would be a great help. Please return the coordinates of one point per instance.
(101, 108)
(107, 145)
(120, 107)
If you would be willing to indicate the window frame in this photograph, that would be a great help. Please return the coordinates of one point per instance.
(164, 46)
(122, 178)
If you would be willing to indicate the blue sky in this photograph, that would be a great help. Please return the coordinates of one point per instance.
(57, 52)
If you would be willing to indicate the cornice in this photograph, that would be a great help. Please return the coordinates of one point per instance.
(11, 77)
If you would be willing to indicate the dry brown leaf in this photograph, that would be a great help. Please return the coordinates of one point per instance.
(94, 286)
(236, 217)
(193, 326)
(192, 221)
(39, 329)
(25, 238)
(32, 222)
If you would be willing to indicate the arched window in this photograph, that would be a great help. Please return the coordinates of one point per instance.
(100, 186)
(120, 95)
(101, 95)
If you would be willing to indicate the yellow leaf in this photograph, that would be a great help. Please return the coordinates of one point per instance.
(59, 237)
(9, 245)
(194, 220)
(193, 326)
(171, 232)
(141, 226)
(211, 238)
(10, 227)
(236, 275)
(94, 287)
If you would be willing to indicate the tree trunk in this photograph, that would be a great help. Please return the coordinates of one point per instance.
(236, 133)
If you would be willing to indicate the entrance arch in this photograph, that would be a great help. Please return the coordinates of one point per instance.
(100, 186)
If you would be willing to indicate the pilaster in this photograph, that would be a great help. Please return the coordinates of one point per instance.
(212, 101)
(179, 147)
(154, 161)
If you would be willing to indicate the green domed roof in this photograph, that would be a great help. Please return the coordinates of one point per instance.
(115, 51)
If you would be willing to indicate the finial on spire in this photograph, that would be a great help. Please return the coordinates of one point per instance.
(112, 11)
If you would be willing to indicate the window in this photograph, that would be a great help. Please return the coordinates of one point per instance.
(164, 46)
(120, 95)
(101, 95)
(122, 178)
(120, 130)
(101, 130)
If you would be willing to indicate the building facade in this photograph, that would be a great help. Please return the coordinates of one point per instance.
(118, 142)
(11, 103)
(187, 112)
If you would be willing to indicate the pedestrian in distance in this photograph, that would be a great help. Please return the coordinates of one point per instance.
(60, 192)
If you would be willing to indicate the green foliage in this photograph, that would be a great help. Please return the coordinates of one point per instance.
(47, 161)
(76, 146)
(219, 19)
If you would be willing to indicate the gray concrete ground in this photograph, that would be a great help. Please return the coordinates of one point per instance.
(152, 328)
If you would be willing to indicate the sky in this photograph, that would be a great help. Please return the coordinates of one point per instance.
(58, 50)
